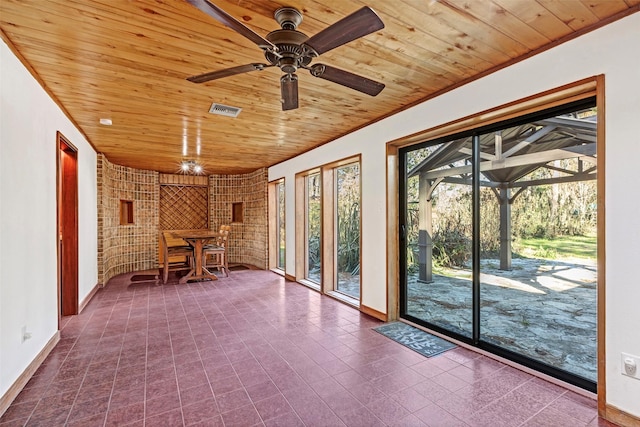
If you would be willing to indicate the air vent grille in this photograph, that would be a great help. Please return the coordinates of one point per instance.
(224, 110)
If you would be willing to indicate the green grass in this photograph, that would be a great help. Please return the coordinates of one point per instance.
(558, 248)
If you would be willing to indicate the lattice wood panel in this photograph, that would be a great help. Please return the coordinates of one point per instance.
(183, 207)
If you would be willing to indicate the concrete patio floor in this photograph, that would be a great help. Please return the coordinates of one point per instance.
(542, 309)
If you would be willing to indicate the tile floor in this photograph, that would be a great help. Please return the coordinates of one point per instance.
(254, 350)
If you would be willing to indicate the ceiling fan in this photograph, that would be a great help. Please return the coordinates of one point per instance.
(290, 50)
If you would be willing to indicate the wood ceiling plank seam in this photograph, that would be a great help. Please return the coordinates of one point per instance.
(537, 17)
(459, 51)
(510, 25)
(207, 142)
(312, 22)
(198, 41)
(112, 80)
(109, 62)
(214, 124)
(105, 79)
(447, 56)
(88, 35)
(261, 22)
(575, 14)
(106, 82)
(208, 146)
(162, 60)
(487, 34)
(604, 9)
(433, 66)
(425, 59)
(218, 140)
(176, 13)
(218, 127)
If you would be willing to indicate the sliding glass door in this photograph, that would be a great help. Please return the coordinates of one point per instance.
(438, 242)
(498, 226)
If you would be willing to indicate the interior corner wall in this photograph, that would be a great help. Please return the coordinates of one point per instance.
(129, 247)
(248, 240)
(610, 51)
(29, 122)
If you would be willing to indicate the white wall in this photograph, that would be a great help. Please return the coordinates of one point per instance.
(29, 120)
(612, 51)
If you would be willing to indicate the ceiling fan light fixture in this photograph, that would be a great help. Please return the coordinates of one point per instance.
(191, 166)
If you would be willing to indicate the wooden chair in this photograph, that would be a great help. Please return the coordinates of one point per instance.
(217, 252)
(173, 248)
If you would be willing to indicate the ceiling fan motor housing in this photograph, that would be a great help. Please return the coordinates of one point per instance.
(290, 55)
(288, 17)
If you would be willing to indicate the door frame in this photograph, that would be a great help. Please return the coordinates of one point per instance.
(589, 87)
(67, 226)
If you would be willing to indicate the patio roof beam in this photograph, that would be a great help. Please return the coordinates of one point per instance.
(533, 138)
(522, 160)
(557, 180)
(577, 177)
(568, 122)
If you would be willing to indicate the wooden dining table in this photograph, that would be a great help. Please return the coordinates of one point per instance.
(197, 239)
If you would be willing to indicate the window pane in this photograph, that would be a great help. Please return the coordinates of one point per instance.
(438, 239)
(281, 226)
(538, 242)
(348, 229)
(313, 227)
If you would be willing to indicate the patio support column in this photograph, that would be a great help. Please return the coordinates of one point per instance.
(505, 228)
(425, 231)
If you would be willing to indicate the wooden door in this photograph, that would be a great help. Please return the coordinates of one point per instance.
(67, 227)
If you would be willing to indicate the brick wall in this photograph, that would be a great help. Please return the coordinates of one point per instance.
(134, 247)
(131, 247)
(248, 241)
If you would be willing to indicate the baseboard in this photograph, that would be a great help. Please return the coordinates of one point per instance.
(620, 417)
(277, 271)
(289, 277)
(23, 379)
(373, 313)
(88, 298)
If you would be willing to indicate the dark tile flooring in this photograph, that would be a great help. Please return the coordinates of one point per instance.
(254, 350)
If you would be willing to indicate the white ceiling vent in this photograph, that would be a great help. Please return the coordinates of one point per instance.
(224, 110)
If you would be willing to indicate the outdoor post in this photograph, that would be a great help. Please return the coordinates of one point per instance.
(505, 228)
(425, 231)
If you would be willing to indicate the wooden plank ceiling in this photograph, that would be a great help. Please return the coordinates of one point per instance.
(127, 61)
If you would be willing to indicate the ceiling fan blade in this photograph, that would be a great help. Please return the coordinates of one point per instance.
(345, 78)
(289, 91)
(220, 15)
(360, 23)
(213, 75)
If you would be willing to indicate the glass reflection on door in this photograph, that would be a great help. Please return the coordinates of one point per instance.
(438, 230)
(527, 214)
(538, 242)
